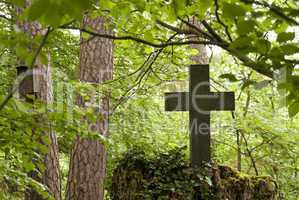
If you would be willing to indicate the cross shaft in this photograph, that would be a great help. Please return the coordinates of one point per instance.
(199, 101)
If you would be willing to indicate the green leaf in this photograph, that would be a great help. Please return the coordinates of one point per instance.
(179, 6)
(232, 10)
(27, 163)
(276, 52)
(241, 43)
(84, 5)
(285, 36)
(22, 52)
(294, 109)
(263, 46)
(245, 26)
(19, 3)
(139, 4)
(204, 5)
(53, 17)
(282, 27)
(37, 9)
(230, 77)
(107, 4)
(289, 49)
(148, 35)
(43, 148)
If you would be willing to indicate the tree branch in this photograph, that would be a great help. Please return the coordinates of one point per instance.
(220, 21)
(273, 8)
(249, 153)
(215, 40)
(213, 33)
(295, 62)
(156, 45)
(198, 30)
(42, 44)
(262, 69)
(149, 63)
(175, 29)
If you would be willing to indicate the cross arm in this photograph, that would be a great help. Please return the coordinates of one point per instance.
(215, 101)
(177, 101)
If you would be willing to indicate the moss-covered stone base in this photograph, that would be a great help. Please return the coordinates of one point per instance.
(169, 176)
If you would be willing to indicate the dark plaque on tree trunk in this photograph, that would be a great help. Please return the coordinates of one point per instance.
(199, 101)
(26, 84)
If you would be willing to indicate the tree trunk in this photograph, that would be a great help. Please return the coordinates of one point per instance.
(88, 157)
(202, 56)
(41, 87)
(43, 90)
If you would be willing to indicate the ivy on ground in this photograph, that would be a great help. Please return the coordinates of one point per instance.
(169, 175)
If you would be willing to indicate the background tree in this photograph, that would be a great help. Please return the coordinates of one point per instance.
(39, 87)
(88, 158)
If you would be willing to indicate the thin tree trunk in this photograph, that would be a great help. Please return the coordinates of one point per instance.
(41, 87)
(239, 152)
(88, 157)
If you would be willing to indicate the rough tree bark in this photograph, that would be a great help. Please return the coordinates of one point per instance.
(41, 88)
(88, 157)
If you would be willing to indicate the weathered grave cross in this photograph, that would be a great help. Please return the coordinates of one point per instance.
(200, 101)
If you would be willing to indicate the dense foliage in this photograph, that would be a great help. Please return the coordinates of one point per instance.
(254, 52)
(169, 176)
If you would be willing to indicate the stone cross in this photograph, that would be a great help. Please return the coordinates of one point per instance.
(199, 101)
